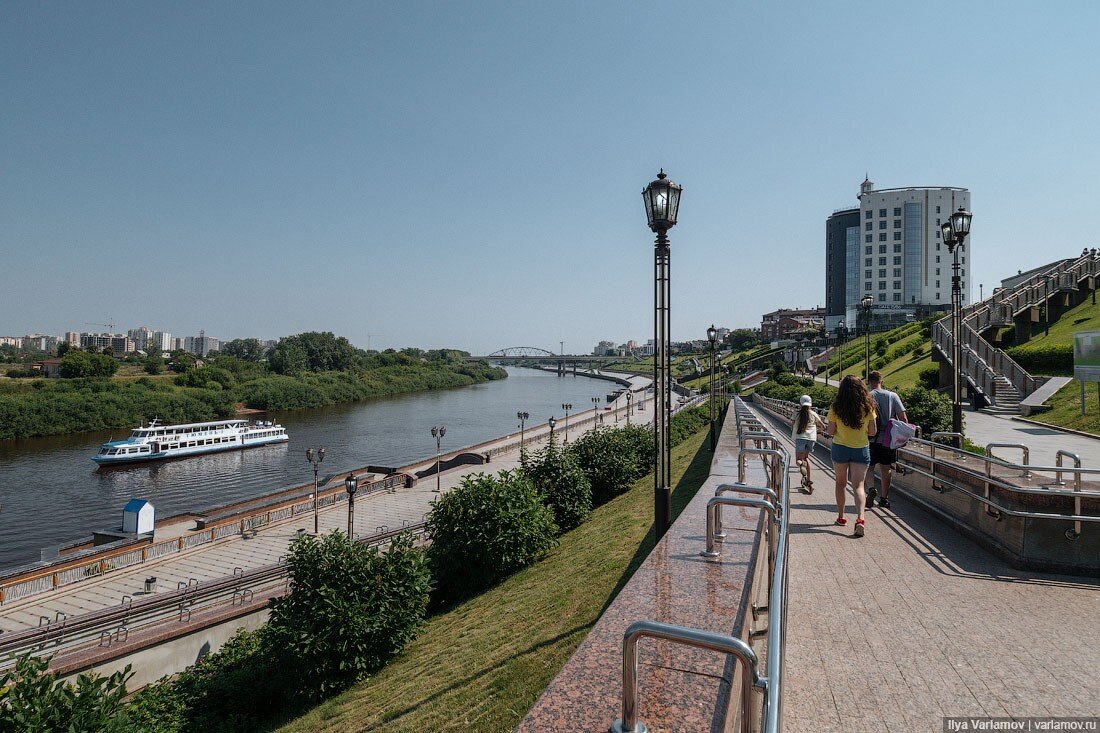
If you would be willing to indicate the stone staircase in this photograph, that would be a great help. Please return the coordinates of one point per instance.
(990, 369)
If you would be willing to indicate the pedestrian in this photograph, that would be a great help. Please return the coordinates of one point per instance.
(888, 406)
(804, 433)
(851, 423)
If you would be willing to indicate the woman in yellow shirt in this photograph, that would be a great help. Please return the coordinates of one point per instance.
(851, 423)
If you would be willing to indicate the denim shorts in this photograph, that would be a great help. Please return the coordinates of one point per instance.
(801, 445)
(844, 454)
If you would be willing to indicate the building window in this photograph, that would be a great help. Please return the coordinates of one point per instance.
(882, 212)
(897, 223)
(867, 288)
(867, 262)
(937, 296)
(882, 237)
(937, 284)
(937, 271)
(897, 297)
(868, 237)
(937, 220)
(882, 297)
(867, 274)
(897, 237)
(897, 211)
(963, 259)
(897, 260)
(868, 250)
(882, 260)
(897, 272)
(897, 247)
(937, 211)
(897, 285)
(882, 272)
(868, 226)
(962, 273)
(868, 214)
(937, 259)
(882, 249)
(937, 237)
(881, 284)
(882, 224)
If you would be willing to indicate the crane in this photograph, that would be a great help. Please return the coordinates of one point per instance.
(370, 336)
(110, 324)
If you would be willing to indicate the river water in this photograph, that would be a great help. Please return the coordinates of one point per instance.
(51, 493)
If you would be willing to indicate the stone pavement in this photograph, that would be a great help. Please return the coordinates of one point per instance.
(217, 560)
(1044, 442)
(915, 622)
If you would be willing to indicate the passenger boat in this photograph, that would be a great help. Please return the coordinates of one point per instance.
(154, 442)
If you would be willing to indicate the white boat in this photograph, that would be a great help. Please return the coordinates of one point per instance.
(154, 442)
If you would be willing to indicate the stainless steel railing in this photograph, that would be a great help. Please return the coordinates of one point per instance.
(774, 500)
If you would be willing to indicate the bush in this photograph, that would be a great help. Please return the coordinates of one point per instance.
(22, 373)
(929, 377)
(486, 529)
(927, 408)
(564, 486)
(1044, 358)
(613, 458)
(32, 699)
(351, 609)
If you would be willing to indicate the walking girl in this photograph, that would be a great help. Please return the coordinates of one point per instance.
(851, 423)
(804, 433)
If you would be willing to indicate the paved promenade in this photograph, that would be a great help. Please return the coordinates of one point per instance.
(208, 562)
(915, 622)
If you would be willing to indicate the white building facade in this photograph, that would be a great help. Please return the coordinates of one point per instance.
(898, 256)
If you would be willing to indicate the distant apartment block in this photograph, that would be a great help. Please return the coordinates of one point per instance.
(163, 340)
(786, 321)
(72, 338)
(202, 344)
(890, 248)
(118, 343)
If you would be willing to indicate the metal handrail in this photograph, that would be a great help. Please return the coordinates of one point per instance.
(1027, 455)
(743, 489)
(711, 641)
(746, 501)
(778, 451)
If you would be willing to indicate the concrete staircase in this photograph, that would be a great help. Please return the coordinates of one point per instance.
(1008, 399)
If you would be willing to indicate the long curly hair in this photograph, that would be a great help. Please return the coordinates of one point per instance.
(853, 402)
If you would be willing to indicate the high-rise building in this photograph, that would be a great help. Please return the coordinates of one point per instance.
(119, 343)
(890, 247)
(72, 338)
(142, 336)
(163, 340)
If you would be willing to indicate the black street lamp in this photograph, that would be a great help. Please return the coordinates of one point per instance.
(662, 205)
(629, 406)
(351, 485)
(954, 232)
(866, 303)
(438, 432)
(522, 417)
(840, 334)
(567, 406)
(552, 423)
(595, 410)
(315, 457)
(712, 337)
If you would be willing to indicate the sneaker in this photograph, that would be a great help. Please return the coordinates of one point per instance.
(859, 528)
(841, 521)
(871, 494)
(884, 503)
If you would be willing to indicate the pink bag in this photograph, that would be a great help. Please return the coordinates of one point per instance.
(897, 433)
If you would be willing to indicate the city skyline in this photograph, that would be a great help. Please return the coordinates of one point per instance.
(446, 177)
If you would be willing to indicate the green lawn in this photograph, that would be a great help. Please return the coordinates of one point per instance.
(1066, 409)
(480, 666)
(1085, 317)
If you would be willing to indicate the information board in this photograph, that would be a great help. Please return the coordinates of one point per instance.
(1086, 356)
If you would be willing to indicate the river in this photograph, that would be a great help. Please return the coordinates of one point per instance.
(51, 493)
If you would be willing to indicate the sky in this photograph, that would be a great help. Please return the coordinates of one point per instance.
(468, 174)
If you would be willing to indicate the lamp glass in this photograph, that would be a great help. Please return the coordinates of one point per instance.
(662, 203)
(960, 222)
(712, 334)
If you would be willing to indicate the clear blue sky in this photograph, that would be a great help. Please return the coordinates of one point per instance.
(468, 174)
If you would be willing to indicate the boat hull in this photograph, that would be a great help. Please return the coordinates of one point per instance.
(189, 453)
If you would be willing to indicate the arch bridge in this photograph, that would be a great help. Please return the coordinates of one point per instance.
(533, 355)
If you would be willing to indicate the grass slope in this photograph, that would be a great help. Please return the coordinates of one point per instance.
(480, 666)
(1084, 317)
(1065, 409)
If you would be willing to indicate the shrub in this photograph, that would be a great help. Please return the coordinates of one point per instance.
(351, 608)
(929, 377)
(32, 699)
(22, 373)
(564, 487)
(1044, 358)
(927, 408)
(486, 529)
(612, 459)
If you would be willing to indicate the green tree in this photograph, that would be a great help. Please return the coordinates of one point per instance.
(741, 339)
(103, 365)
(612, 459)
(322, 351)
(182, 361)
(288, 358)
(32, 699)
(63, 347)
(154, 361)
(351, 608)
(244, 349)
(564, 486)
(75, 364)
(927, 408)
(485, 530)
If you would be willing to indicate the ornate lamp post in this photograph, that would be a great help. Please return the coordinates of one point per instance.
(552, 423)
(595, 410)
(522, 417)
(438, 432)
(567, 406)
(866, 303)
(351, 485)
(712, 337)
(315, 457)
(629, 406)
(662, 205)
(954, 232)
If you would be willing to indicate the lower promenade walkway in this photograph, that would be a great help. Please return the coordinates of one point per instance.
(915, 622)
(220, 559)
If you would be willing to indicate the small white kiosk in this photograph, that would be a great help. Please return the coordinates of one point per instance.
(137, 516)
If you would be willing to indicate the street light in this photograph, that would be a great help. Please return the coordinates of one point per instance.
(954, 232)
(712, 337)
(315, 457)
(522, 417)
(595, 410)
(866, 302)
(662, 205)
(840, 361)
(552, 422)
(567, 406)
(629, 406)
(351, 485)
(438, 432)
